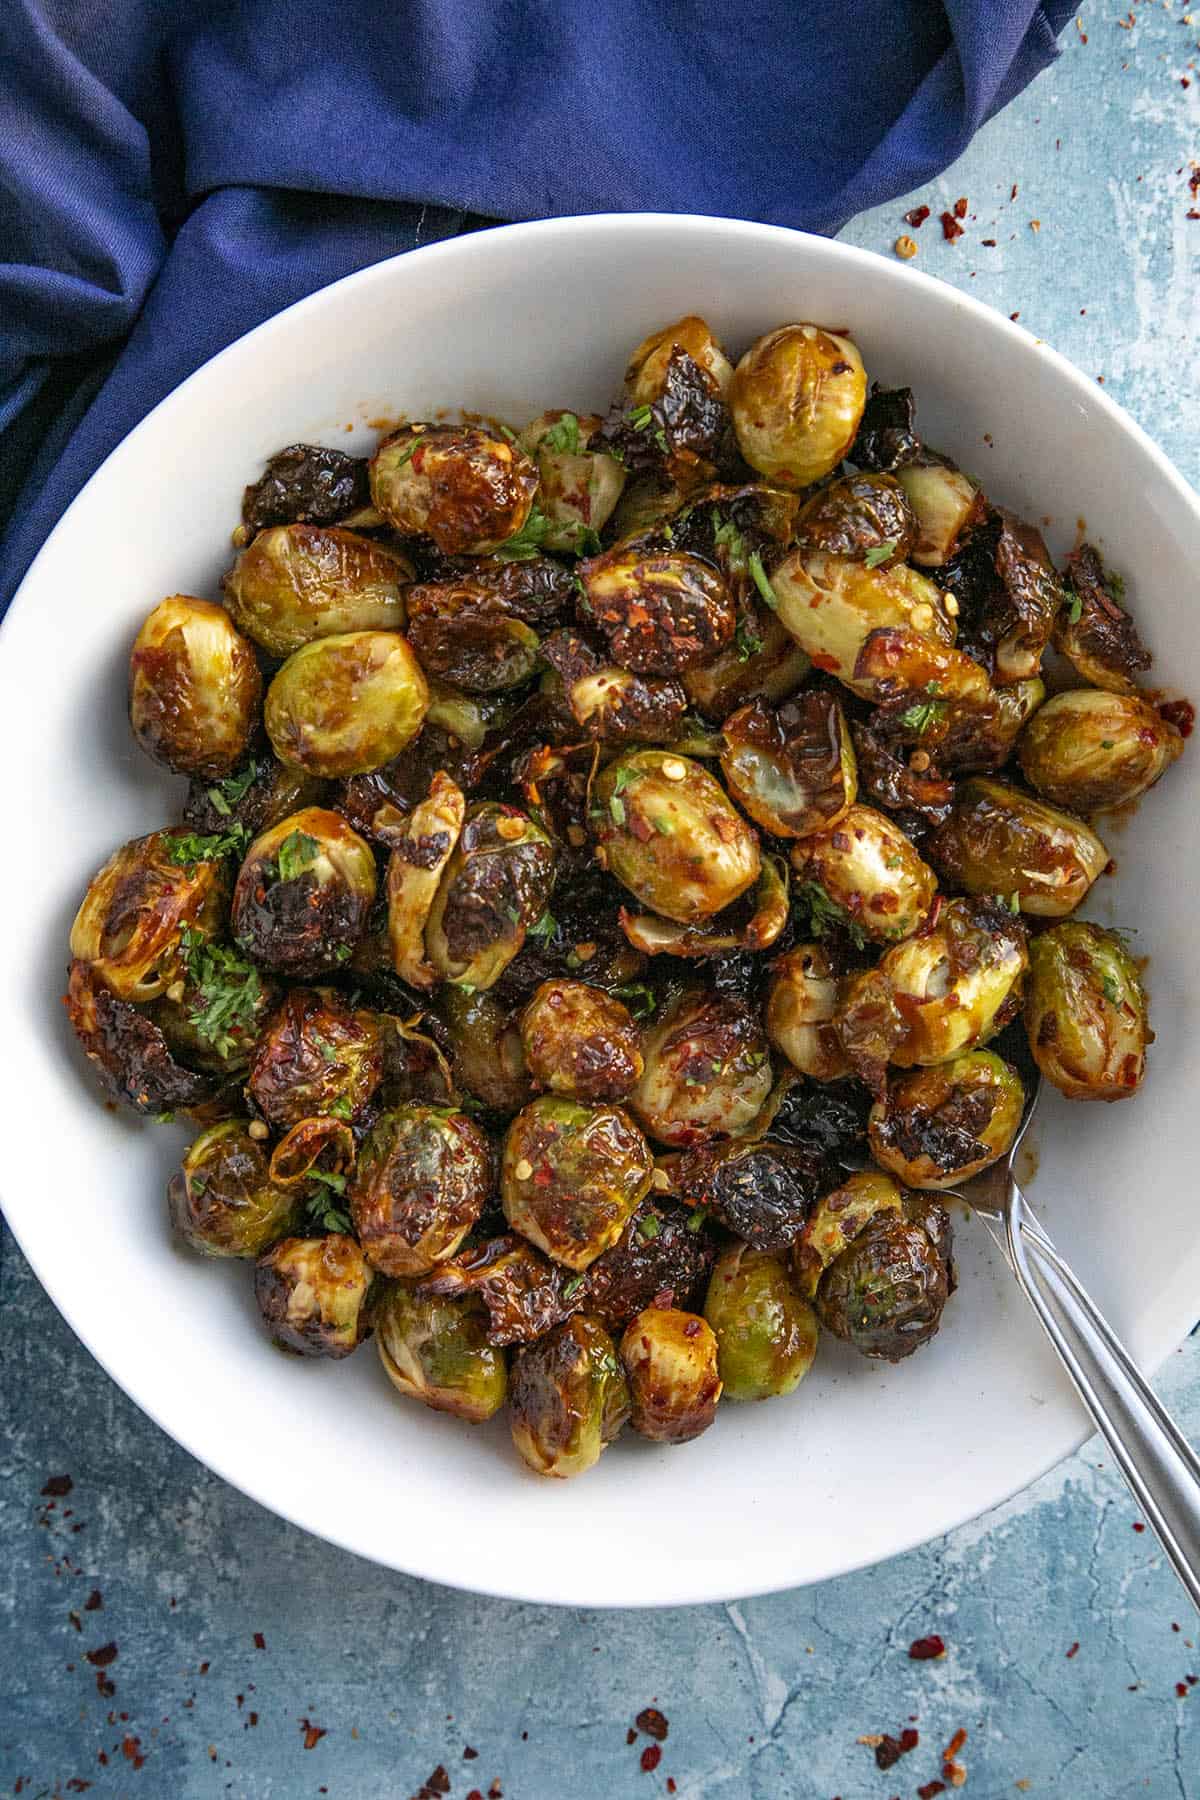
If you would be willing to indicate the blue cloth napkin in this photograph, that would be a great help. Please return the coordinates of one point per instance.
(174, 171)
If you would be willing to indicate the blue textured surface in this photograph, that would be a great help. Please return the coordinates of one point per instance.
(767, 1698)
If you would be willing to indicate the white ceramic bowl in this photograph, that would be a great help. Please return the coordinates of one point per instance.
(863, 1460)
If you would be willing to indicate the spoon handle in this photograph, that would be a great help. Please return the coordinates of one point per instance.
(1162, 1469)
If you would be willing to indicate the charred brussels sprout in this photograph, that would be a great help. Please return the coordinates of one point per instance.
(859, 516)
(791, 768)
(475, 628)
(837, 1219)
(524, 1294)
(422, 1181)
(1090, 750)
(766, 1333)
(981, 736)
(312, 1294)
(760, 1191)
(646, 373)
(612, 705)
(947, 505)
(485, 1044)
(130, 929)
(494, 888)
(304, 894)
(832, 604)
(222, 1201)
(885, 1292)
(468, 489)
(668, 833)
(306, 483)
(707, 1070)
(422, 843)
(802, 1002)
(346, 704)
(764, 662)
(865, 872)
(578, 487)
(129, 1050)
(259, 793)
(572, 1176)
(661, 1258)
(1086, 1014)
(998, 840)
(1094, 633)
(568, 1398)
(317, 1058)
(660, 611)
(194, 688)
(670, 1360)
(797, 397)
(940, 1126)
(581, 1042)
(295, 583)
(437, 1351)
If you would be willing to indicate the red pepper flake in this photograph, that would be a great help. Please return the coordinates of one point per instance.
(475, 1794)
(312, 1734)
(887, 1752)
(1192, 1680)
(495, 1792)
(94, 1601)
(252, 1719)
(670, 1784)
(439, 1781)
(631, 1736)
(1193, 212)
(58, 1487)
(909, 1739)
(77, 1785)
(917, 217)
(988, 243)
(1184, 82)
(204, 1668)
(930, 1789)
(653, 1723)
(651, 1757)
(1182, 715)
(926, 1649)
(951, 228)
(1015, 315)
(954, 1772)
(75, 1620)
(260, 1642)
(131, 1750)
(1074, 1650)
(960, 207)
(101, 1658)
(1012, 192)
(469, 1755)
(1138, 1526)
(955, 1745)
(1181, 1689)
(104, 1687)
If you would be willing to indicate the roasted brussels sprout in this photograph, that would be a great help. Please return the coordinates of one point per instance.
(525, 1295)
(572, 1176)
(485, 1043)
(947, 505)
(674, 422)
(211, 1015)
(665, 828)
(886, 436)
(1007, 593)
(579, 1041)
(859, 516)
(194, 688)
(494, 888)
(766, 1333)
(707, 1069)
(759, 1190)
(797, 397)
(312, 1294)
(864, 871)
(897, 664)
(670, 1360)
(437, 1351)
(313, 1150)
(422, 1180)
(1095, 633)
(802, 1001)
(468, 489)
(612, 705)
(1090, 750)
(578, 487)
(568, 1398)
(646, 374)
(347, 704)
(655, 936)
(475, 627)
(422, 844)
(885, 1292)
(981, 735)
(306, 483)
(837, 1219)
(222, 1201)
(832, 604)
(131, 926)
(661, 612)
(1086, 1013)
(304, 894)
(662, 1258)
(792, 767)
(317, 1058)
(764, 662)
(130, 1051)
(259, 793)
(998, 840)
(295, 583)
(939, 1126)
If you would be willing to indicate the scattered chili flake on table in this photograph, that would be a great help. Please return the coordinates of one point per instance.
(960, 207)
(631, 1736)
(312, 1734)
(988, 243)
(260, 1642)
(101, 1658)
(1074, 1650)
(954, 1772)
(930, 1789)
(1181, 1690)
(670, 1784)
(653, 1723)
(917, 217)
(951, 228)
(94, 1601)
(469, 1754)
(651, 1757)
(926, 1649)
(1138, 1526)
(955, 1745)
(1015, 315)
(58, 1487)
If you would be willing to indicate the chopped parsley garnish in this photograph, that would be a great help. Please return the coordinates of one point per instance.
(925, 713)
(297, 854)
(649, 1227)
(640, 417)
(226, 990)
(727, 537)
(824, 915)
(572, 1287)
(662, 825)
(563, 437)
(1112, 992)
(1115, 585)
(587, 541)
(761, 580)
(228, 793)
(408, 452)
(699, 1214)
(528, 541)
(343, 952)
(1074, 607)
(543, 928)
(616, 807)
(328, 1050)
(328, 1179)
(322, 1213)
(881, 553)
(164, 1118)
(191, 847)
(1010, 902)
(340, 1108)
(747, 642)
(640, 999)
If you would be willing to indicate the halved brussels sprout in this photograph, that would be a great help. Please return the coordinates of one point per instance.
(494, 888)
(312, 1294)
(898, 663)
(670, 1360)
(211, 1015)
(313, 1150)
(792, 768)
(866, 868)
(861, 516)
(764, 661)
(661, 611)
(646, 374)
(662, 1258)
(832, 604)
(258, 793)
(194, 688)
(998, 840)
(947, 505)
(1089, 750)
(572, 1176)
(668, 833)
(981, 735)
(475, 627)
(802, 1001)
(578, 487)
(485, 1043)
(837, 1219)
(797, 397)
(222, 1201)
(346, 704)
(940, 1126)
(759, 1190)
(707, 1069)
(468, 489)
(129, 1050)
(437, 1351)
(612, 705)
(317, 1058)
(422, 1180)
(766, 1332)
(295, 583)
(525, 1295)
(1086, 1013)
(568, 1398)
(885, 1292)
(304, 894)
(579, 1041)
(1004, 583)
(421, 847)
(1095, 633)
(130, 927)
(655, 936)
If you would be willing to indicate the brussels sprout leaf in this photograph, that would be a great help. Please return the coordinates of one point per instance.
(728, 537)
(544, 928)
(747, 641)
(227, 794)
(1074, 607)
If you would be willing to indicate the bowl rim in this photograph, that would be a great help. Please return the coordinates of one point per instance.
(720, 231)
